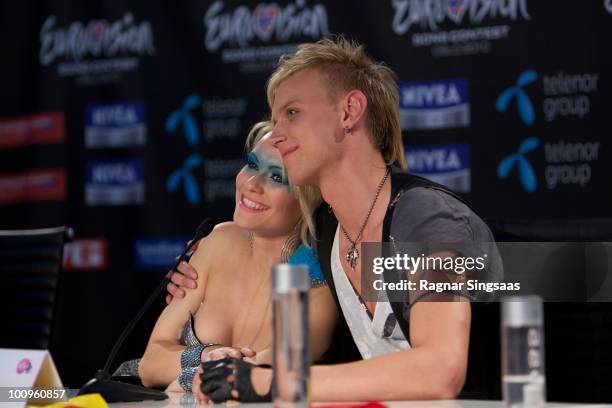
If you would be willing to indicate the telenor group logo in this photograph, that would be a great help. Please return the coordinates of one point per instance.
(37, 128)
(519, 161)
(86, 254)
(117, 182)
(447, 164)
(434, 104)
(158, 253)
(115, 125)
(34, 185)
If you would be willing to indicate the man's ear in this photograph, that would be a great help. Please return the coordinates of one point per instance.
(354, 105)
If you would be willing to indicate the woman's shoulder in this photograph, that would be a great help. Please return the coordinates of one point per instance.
(224, 237)
(227, 234)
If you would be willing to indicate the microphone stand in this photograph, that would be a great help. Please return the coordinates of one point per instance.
(115, 391)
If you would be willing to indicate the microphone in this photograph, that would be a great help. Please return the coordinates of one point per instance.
(115, 391)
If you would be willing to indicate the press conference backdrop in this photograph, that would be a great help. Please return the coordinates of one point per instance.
(126, 121)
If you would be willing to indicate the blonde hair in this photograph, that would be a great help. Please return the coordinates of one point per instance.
(309, 197)
(345, 67)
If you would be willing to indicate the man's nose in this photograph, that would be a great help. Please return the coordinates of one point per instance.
(277, 136)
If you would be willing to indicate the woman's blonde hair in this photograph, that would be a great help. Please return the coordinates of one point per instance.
(309, 197)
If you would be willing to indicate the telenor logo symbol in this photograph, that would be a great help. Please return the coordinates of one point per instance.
(516, 92)
(526, 173)
(182, 116)
(184, 176)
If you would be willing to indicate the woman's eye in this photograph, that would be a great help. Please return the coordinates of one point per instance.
(252, 165)
(291, 112)
(277, 178)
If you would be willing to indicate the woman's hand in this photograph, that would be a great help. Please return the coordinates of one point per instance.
(175, 387)
(219, 352)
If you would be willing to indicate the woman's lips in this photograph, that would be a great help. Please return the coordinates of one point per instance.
(251, 206)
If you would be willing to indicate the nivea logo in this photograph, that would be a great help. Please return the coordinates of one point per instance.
(117, 114)
(445, 164)
(115, 125)
(115, 172)
(115, 183)
(434, 104)
(426, 94)
(435, 159)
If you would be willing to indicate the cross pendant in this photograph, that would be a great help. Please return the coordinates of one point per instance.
(352, 255)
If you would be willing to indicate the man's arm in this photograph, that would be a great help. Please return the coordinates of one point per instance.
(434, 368)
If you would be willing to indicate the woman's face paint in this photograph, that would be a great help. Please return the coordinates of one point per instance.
(264, 200)
(269, 169)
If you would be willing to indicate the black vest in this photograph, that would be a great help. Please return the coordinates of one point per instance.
(326, 225)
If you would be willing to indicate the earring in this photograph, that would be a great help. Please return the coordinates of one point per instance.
(347, 130)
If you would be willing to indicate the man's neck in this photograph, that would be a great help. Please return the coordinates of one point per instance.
(350, 187)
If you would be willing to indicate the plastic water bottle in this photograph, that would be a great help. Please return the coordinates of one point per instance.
(291, 359)
(523, 370)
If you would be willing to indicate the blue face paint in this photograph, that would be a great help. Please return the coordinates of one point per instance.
(270, 170)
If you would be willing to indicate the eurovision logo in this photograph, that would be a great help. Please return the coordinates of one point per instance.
(239, 32)
(425, 18)
(97, 51)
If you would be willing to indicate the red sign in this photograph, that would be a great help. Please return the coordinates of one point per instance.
(33, 185)
(86, 254)
(37, 128)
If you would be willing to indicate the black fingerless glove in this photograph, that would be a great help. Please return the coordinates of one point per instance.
(218, 388)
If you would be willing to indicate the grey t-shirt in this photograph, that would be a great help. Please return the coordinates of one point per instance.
(441, 222)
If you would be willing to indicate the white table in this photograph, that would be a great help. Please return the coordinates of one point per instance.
(185, 401)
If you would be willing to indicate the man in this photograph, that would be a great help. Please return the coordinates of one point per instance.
(337, 127)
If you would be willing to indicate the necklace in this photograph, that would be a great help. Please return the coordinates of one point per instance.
(352, 253)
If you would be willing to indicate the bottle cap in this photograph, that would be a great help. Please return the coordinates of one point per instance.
(287, 277)
(522, 311)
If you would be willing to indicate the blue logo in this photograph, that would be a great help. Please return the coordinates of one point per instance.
(158, 253)
(526, 173)
(183, 117)
(447, 164)
(183, 176)
(434, 104)
(115, 125)
(516, 92)
(116, 182)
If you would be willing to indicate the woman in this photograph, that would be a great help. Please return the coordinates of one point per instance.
(229, 313)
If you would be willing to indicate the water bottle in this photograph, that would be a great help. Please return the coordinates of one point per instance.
(523, 370)
(291, 360)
